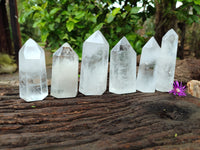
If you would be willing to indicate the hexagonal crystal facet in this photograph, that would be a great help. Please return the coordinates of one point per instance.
(147, 73)
(64, 81)
(32, 72)
(122, 68)
(94, 65)
(167, 62)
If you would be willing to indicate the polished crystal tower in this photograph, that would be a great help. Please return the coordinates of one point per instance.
(167, 62)
(32, 72)
(122, 68)
(94, 65)
(64, 82)
(146, 78)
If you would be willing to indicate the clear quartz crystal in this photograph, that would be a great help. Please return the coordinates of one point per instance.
(122, 68)
(32, 72)
(94, 65)
(64, 81)
(146, 78)
(167, 62)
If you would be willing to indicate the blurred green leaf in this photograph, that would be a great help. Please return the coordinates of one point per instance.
(127, 8)
(74, 20)
(70, 7)
(90, 6)
(124, 15)
(51, 26)
(98, 27)
(195, 18)
(189, 20)
(80, 26)
(79, 14)
(131, 37)
(138, 46)
(70, 25)
(197, 2)
(45, 5)
(115, 11)
(53, 50)
(110, 18)
(65, 13)
(65, 36)
(72, 39)
(55, 10)
(36, 24)
(92, 18)
(44, 36)
(42, 24)
(197, 9)
(36, 8)
(119, 29)
(22, 19)
(135, 10)
(57, 20)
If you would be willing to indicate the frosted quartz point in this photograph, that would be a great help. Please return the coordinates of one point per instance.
(122, 68)
(64, 82)
(32, 72)
(94, 65)
(146, 78)
(167, 62)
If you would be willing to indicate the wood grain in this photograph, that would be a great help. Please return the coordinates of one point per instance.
(107, 122)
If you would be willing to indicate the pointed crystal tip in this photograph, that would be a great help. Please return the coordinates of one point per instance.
(151, 43)
(30, 43)
(65, 50)
(66, 45)
(122, 45)
(170, 35)
(123, 41)
(31, 50)
(97, 37)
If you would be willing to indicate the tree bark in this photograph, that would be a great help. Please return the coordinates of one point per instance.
(164, 18)
(107, 122)
(182, 27)
(5, 40)
(15, 27)
(195, 40)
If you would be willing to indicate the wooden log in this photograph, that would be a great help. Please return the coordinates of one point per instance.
(107, 122)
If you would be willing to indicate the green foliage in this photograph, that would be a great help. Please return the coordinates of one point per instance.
(56, 22)
(26, 22)
(74, 21)
(6, 59)
(7, 64)
(189, 11)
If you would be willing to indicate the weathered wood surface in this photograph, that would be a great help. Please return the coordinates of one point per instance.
(107, 122)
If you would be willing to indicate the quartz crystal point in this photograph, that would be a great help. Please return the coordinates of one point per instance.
(64, 80)
(167, 62)
(94, 65)
(32, 72)
(146, 78)
(122, 68)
